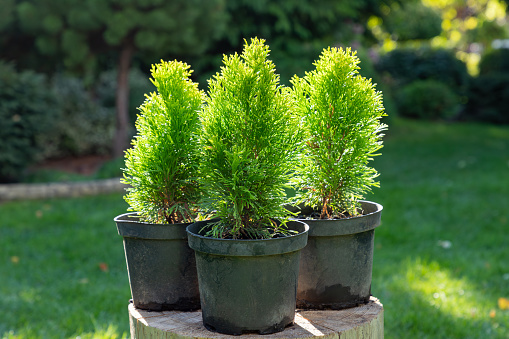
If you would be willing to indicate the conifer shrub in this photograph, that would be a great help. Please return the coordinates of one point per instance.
(340, 112)
(250, 143)
(162, 165)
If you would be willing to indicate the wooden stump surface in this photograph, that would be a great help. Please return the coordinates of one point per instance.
(364, 322)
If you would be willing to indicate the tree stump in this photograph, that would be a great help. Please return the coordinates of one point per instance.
(365, 321)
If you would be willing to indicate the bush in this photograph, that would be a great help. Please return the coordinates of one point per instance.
(425, 22)
(428, 99)
(82, 125)
(368, 71)
(85, 121)
(404, 66)
(162, 165)
(488, 99)
(138, 86)
(249, 144)
(341, 112)
(496, 61)
(26, 110)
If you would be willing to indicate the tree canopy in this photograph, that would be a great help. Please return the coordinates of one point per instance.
(76, 33)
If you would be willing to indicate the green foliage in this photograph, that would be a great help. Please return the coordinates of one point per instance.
(487, 31)
(139, 84)
(162, 165)
(428, 99)
(488, 94)
(80, 31)
(488, 99)
(295, 30)
(413, 21)
(26, 110)
(495, 61)
(7, 13)
(405, 65)
(84, 119)
(249, 145)
(341, 113)
(300, 20)
(368, 71)
(82, 126)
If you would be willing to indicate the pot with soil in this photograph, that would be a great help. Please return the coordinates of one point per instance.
(248, 258)
(340, 113)
(161, 170)
(160, 265)
(247, 285)
(336, 264)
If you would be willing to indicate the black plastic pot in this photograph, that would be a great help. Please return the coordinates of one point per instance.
(160, 264)
(248, 285)
(336, 265)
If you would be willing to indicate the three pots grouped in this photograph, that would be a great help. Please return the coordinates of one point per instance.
(251, 285)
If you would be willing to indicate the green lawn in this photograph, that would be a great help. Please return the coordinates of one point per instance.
(441, 257)
(442, 251)
(62, 269)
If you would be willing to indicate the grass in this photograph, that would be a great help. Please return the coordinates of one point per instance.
(62, 269)
(441, 254)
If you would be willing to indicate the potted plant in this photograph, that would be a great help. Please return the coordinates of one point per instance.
(341, 112)
(161, 169)
(248, 256)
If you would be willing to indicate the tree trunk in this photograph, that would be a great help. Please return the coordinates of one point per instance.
(121, 142)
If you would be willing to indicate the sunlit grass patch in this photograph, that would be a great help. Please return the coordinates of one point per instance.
(440, 288)
(110, 332)
(427, 300)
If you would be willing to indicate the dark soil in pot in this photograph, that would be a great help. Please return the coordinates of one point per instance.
(160, 265)
(336, 264)
(247, 285)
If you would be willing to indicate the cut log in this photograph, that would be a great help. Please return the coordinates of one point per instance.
(365, 321)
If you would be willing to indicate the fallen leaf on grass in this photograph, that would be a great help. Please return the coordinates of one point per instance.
(503, 303)
(15, 259)
(38, 214)
(103, 267)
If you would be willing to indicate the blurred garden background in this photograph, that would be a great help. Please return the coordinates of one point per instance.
(72, 74)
